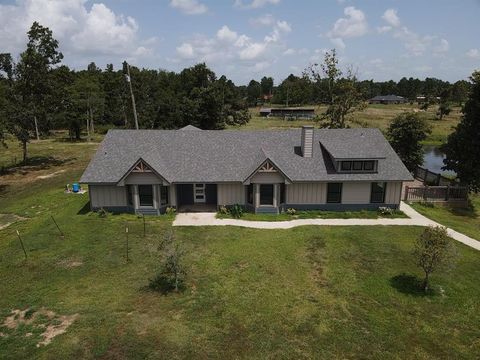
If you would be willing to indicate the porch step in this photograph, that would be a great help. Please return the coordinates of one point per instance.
(147, 212)
(266, 210)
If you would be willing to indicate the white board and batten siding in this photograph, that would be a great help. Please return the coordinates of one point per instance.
(142, 179)
(107, 195)
(393, 194)
(306, 193)
(230, 194)
(356, 192)
(267, 178)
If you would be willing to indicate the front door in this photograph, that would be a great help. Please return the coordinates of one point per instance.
(199, 193)
(145, 195)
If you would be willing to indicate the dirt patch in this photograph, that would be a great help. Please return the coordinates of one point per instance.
(70, 263)
(8, 219)
(48, 320)
(47, 176)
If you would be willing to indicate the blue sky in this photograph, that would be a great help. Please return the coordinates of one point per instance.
(247, 39)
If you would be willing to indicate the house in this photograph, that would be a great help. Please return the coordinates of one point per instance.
(289, 112)
(387, 99)
(145, 171)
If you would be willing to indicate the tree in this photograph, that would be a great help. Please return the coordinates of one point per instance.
(433, 249)
(266, 84)
(460, 91)
(30, 96)
(254, 92)
(343, 96)
(405, 133)
(171, 276)
(462, 149)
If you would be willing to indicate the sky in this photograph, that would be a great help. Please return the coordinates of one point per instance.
(248, 39)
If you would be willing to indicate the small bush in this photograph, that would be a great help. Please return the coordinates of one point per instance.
(291, 211)
(386, 211)
(170, 210)
(223, 210)
(236, 211)
(103, 213)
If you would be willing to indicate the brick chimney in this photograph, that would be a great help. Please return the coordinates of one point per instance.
(307, 141)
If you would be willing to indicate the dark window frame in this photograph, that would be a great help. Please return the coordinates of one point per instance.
(164, 195)
(334, 196)
(130, 195)
(250, 194)
(282, 193)
(344, 167)
(145, 196)
(356, 163)
(369, 162)
(376, 196)
(268, 194)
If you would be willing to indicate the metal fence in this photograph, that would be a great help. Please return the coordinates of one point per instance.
(436, 193)
(431, 178)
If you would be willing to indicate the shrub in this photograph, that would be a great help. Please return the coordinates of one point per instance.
(291, 211)
(103, 213)
(236, 211)
(223, 210)
(170, 210)
(171, 276)
(427, 204)
(386, 211)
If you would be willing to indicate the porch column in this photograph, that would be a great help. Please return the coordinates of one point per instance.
(172, 196)
(136, 200)
(155, 196)
(256, 202)
(275, 192)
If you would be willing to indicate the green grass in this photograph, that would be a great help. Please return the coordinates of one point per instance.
(307, 292)
(377, 116)
(315, 214)
(464, 220)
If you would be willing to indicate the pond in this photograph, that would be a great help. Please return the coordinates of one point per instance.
(433, 160)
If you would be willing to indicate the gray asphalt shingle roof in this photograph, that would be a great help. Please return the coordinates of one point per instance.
(232, 155)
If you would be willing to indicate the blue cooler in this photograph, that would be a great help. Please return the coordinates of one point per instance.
(76, 187)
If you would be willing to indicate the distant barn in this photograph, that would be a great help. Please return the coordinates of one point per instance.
(289, 112)
(387, 99)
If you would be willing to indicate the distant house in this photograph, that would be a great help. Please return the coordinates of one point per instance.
(387, 99)
(289, 112)
(146, 171)
(423, 99)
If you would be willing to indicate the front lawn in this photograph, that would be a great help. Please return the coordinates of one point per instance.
(308, 292)
(464, 220)
(316, 214)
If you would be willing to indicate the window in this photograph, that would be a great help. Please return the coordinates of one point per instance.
(266, 194)
(368, 165)
(250, 194)
(377, 194)
(145, 193)
(164, 195)
(358, 165)
(334, 193)
(346, 165)
(130, 195)
(282, 193)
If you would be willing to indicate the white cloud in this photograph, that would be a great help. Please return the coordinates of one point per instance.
(265, 20)
(473, 53)
(255, 4)
(84, 34)
(189, 7)
(289, 52)
(383, 29)
(391, 17)
(237, 49)
(415, 44)
(442, 47)
(227, 35)
(353, 25)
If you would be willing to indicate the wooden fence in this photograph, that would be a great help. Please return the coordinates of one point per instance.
(430, 178)
(436, 193)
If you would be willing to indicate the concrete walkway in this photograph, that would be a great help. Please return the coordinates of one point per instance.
(415, 219)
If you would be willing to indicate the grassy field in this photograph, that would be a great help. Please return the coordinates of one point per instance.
(378, 116)
(464, 220)
(308, 292)
(301, 293)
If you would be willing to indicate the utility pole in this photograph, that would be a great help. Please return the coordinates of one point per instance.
(131, 93)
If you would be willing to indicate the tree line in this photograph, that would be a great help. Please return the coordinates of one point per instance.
(38, 94)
